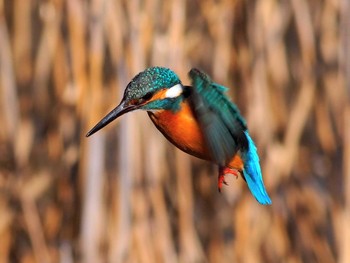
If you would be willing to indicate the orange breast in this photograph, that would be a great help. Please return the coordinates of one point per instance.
(182, 129)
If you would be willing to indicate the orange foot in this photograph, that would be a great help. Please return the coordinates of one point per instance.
(222, 172)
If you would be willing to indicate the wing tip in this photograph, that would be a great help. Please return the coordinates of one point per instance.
(195, 72)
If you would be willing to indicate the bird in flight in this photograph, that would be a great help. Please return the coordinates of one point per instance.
(199, 119)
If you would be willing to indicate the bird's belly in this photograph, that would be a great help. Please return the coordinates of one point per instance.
(181, 129)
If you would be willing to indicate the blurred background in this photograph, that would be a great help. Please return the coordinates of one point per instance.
(128, 195)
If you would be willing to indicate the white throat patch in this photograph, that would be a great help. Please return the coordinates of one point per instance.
(174, 91)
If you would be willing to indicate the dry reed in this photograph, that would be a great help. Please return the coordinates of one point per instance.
(126, 194)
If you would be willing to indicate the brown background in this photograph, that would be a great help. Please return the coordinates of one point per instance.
(126, 194)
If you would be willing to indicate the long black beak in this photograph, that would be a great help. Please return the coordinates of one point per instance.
(121, 109)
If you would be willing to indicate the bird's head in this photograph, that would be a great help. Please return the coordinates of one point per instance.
(153, 89)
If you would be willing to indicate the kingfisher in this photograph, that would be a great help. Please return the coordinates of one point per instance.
(199, 119)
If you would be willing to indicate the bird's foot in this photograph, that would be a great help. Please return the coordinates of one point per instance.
(222, 172)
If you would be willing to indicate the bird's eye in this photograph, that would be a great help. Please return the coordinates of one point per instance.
(147, 96)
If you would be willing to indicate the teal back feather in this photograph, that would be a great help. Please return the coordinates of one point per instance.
(215, 97)
(252, 173)
(220, 119)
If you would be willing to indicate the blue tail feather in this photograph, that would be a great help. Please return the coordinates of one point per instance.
(252, 173)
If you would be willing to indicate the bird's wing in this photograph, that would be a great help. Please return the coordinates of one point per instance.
(219, 118)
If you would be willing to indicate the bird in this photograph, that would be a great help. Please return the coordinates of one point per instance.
(199, 119)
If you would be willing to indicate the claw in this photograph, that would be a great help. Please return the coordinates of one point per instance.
(222, 172)
(221, 180)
